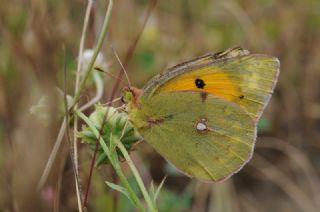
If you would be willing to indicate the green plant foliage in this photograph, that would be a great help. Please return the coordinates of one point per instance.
(116, 127)
(170, 201)
(264, 124)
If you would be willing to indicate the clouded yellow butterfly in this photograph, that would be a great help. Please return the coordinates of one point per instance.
(202, 115)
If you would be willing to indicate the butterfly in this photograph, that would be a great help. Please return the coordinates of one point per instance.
(202, 115)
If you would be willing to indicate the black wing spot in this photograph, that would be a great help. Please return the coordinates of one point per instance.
(199, 83)
(241, 97)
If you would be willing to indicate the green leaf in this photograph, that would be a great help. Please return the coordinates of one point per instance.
(264, 124)
(151, 189)
(158, 189)
(115, 129)
(120, 189)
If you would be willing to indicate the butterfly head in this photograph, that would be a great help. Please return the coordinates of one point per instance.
(130, 95)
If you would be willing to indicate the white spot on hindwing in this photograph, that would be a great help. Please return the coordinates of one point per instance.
(201, 125)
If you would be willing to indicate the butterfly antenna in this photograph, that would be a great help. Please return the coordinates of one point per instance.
(124, 70)
(105, 72)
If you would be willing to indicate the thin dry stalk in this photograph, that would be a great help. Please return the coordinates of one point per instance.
(299, 159)
(276, 176)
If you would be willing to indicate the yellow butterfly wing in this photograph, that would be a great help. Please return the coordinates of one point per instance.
(209, 140)
(235, 75)
(201, 115)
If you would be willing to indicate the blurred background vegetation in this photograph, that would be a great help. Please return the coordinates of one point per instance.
(284, 172)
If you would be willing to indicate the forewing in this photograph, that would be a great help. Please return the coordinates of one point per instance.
(245, 79)
(256, 76)
(168, 121)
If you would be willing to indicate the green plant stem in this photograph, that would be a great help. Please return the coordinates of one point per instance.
(75, 123)
(53, 154)
(95, 53)
(99, 91)
(99, 87)
(137, 176)
(114, 163)
(76, 96)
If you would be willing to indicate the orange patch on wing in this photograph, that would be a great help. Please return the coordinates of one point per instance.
(209, 80)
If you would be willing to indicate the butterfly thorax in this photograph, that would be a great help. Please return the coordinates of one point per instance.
(138, 109)
(131, 98)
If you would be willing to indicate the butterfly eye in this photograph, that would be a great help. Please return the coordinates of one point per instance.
(126, 96)
(122, 99)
